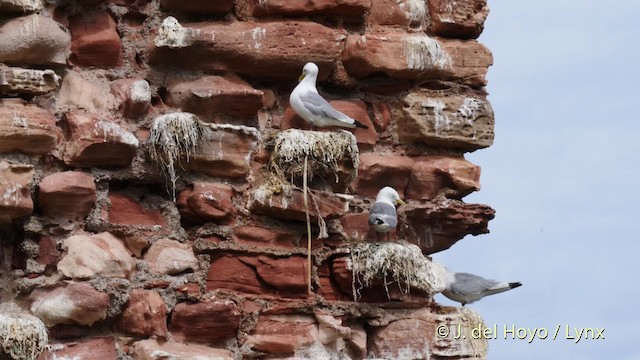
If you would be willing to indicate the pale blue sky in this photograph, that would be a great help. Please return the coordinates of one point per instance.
(563, 177)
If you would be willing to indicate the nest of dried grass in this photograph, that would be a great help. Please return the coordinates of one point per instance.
(173, 137)
(402, 264)
(323, 150)
(22, 335)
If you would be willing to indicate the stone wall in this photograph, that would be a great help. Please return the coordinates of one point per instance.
(93, 243)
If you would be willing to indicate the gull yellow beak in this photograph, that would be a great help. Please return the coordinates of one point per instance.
(301, 77)
(399, 202)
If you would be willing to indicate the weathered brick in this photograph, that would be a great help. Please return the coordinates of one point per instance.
(266, 49)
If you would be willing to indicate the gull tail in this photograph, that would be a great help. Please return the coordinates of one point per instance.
(514, 285)
(359, 124)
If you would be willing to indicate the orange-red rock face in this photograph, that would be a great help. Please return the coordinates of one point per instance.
(97, 141)
(377, 171)
(144, 315)
(149, 349)
(291, 207)
(453, 176)
(125, 210)
(416, 56)
(134, 96)
(268, 49)
(207, 203)
(215, 94)
(282, 334)
(205, 322)
(95, 348)
(259, 8)
(266, 275)
(464, 20)
(33, 40)
(73, 303)
(408, 13)
(15, 80)
(264, 237)
(225, 152)
(452, 122)
(198, 6)
(99, 255)
(27, 128)
(100, 251)
(69, 194)
(16, 200)
(94, 40)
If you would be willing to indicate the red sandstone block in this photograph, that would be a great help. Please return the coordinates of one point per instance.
(198, 6)
(462, 19)
(417, 57)
(150, 349)
(127, 211)
(70, 194)
(260, 275)
(134, 96)
(277, 49)
(14, 187)
(27, 128)
(454, 176)
(93, 348)
(328, 289)
(461, 122)
(97, 141)
(210, 321)
(191, 290)
(404, 336)
(144, 315)
(208, 95)
(291, 207)
(382, 116)
(94, 40)
(282, 334)
(228, 272)
(264, 237)
(377, 171)
(226, 152)
(207, 202)
(259, 8)
(48, 253)
(436, 227)
(171, 257)
(33, 40)
(409, 13)
(286, 275)
(69, 303)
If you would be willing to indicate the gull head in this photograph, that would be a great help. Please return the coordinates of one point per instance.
(309, 70)
(388, 194)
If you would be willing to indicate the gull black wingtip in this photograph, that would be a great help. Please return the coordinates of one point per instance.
(514, 285)
(360, 125)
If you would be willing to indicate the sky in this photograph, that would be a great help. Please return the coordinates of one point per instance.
(562, 176)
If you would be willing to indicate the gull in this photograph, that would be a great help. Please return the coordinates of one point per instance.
(466, 288)
(312, 107)
(383, 217)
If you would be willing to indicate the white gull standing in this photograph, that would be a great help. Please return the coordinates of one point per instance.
(382, 216)
(312, 107)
